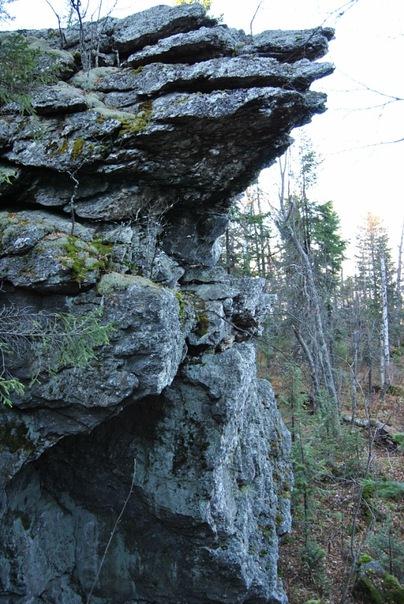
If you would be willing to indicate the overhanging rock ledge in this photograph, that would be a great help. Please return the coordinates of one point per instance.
(114, 195)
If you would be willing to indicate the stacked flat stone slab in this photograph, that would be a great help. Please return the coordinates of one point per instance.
(128, 169)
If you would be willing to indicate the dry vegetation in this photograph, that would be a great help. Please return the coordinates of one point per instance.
(346, 522)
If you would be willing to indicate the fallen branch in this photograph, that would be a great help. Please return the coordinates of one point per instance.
(383, 432)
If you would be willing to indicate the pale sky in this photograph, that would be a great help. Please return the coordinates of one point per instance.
(368, 50)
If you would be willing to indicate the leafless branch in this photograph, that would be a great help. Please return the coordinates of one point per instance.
(254, 16)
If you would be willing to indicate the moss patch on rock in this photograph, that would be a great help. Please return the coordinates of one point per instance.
(375, 586)
(82, 257)
(114, 282)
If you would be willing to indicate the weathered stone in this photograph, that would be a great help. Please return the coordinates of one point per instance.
(291, 46)
(201, 452)
(205, 275)
(59, 98)
(38, 251)
(134, 169)
(159, 22)
(53, 60)
(191, 47)
(215, 74)
(374, 585)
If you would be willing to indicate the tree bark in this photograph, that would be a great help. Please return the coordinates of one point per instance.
(384, 332)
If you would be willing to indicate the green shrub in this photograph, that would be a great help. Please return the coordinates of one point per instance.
(74, 339)
(313, 558)
(20, 71)
(399, 440)
(385, 489)
(386, 546)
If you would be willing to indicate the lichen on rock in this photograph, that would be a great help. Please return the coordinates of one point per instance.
(113, 197)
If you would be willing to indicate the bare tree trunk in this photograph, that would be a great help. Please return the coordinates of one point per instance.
(399, 292)
(254, 15)
(313, 372)
(228, 252)
(354, 374)
(59, 20)
(384, 332)
(322, 351)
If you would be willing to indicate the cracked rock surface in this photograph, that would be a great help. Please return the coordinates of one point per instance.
(113, 197)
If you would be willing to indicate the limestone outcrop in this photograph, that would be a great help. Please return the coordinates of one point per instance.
(113, 196)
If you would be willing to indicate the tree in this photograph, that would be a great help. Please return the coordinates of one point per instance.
(248, 237)
(377, 294)
(399, 292)
(313, 252)
(19, 71)
(3, 11)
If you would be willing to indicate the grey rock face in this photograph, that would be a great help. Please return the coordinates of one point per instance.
(290, 46)
(206, 504)
(151, 25)
(60, 98)
(113, 198)
(191, 47)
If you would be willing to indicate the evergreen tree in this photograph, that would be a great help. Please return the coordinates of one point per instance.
(20, 68)
(247, 245)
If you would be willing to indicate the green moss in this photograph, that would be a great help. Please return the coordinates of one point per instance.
(278, 519)
(76, 258)
(82, 257)
(77, 148)
(267, 532)
(138, 123)
(286, 494)
(202, 326)
(245, 489)
(182, 304)
(364, 559)
(104, 251)
(137, 71)
(112, 282)
(64, 146)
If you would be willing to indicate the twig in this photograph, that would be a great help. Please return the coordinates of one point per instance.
(76, 183)
(254, 16)
(61, 33)
(114, 529)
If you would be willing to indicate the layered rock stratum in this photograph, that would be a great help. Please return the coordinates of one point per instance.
(113, 197)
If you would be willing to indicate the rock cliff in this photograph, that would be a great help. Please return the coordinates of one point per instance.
(113, 196)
